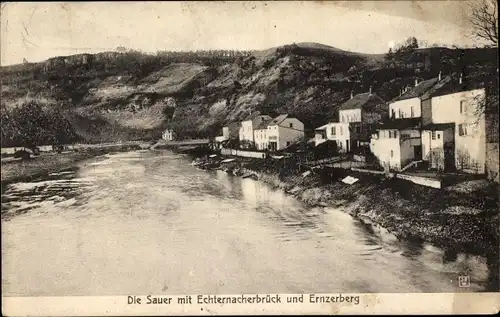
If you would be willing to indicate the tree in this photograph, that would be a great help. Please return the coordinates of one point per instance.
(483, 17)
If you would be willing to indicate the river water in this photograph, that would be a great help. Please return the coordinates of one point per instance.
(150, 223)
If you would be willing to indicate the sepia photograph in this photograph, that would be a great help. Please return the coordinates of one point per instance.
(199, 155)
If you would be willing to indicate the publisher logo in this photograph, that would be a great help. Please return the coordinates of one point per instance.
(463, 281)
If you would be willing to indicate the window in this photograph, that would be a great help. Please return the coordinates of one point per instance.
(412, 112)
(462, 106)
(291, 125)
(439, 135)
(392, 153)
(341, 132)
(333, 131)
(287, 143)
(433, 135)
(390, 134)
(462, 129)
(393, 114)
(358, 129)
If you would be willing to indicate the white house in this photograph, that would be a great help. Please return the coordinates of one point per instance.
(168, 135)
(361, 112)
(246, 131)
(409, 103)
(335, 131)
(282, 131)
(260, 135)
(224, 136)
(454, 131)
(397, 143)
(399, 140)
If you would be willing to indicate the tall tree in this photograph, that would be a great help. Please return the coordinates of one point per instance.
(483, 16)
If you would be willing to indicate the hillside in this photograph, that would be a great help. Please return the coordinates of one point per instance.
(116, 96)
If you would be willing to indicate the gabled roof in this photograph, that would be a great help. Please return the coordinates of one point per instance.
(366, 101)
(278, 119)
(452, 86)
(323, 127)
(400, 124)
(263, 124)
(419, 90)
(252, 116)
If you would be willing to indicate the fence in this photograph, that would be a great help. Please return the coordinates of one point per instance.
(241, 153)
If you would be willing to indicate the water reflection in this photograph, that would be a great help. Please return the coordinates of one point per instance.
(56, 189)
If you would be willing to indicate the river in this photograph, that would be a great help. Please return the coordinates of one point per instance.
(148, 222)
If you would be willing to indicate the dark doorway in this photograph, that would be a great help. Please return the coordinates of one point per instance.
(347, 145)
(417, 152)
(449, 158)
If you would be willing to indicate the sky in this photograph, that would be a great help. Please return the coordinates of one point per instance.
(37, 31)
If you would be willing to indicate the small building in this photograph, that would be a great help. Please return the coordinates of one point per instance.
(282, 131)
(438, 145)
(246, 130)
(168, 135)
(397, 143)
(224, 136)
(260, 135)
(362, 112)
(335, 131)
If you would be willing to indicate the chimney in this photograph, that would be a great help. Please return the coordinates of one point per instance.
(439, 76)
(460, 79)
(416, 82)
(352, 94)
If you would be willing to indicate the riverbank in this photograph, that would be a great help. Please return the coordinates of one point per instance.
(461, 218)
(51, 162)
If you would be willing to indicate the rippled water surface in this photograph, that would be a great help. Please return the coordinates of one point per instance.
(145, 222)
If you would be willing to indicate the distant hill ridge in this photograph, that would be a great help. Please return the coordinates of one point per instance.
(196, 93)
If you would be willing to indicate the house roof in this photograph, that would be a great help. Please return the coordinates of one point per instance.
(323, 127)
(365, 101)
(452, 86)
(419, 90)
(278, 119)
(252, 116)
(400, 124)
(438, 126)
(263, 124)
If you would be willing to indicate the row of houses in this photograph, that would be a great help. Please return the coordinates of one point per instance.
(262, 132)
(438, 122)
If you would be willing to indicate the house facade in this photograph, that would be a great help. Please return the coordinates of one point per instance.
(335, 131)
(438, 147)
(260, 135)
(168, 135)
(407, 114)
(246, 131)
(397, 144)
(282, 131)
(464, 140)
(361, 112)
